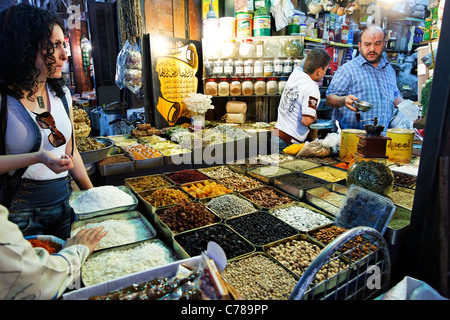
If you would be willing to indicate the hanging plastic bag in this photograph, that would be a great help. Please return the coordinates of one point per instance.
(129, 68)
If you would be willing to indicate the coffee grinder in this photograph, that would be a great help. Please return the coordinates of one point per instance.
(372, 144)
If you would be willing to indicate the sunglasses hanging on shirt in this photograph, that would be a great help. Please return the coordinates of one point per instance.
(46, 121)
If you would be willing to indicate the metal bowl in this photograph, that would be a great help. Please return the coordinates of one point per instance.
(99, 154)
(363, 105)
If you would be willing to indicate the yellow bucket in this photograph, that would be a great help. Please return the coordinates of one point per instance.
(349, 144)
(399, 148)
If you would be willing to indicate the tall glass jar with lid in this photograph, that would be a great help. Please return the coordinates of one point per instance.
(224, 87)
(272, 86)
(239, 68)
(268, 68)
(287, 67)
(277, 67)
(258, 68)
(247, 49)
(211, 87)
(218, 68)
(247, 87)
(248, 68)
(228, 68)
(260, 87)
(235, 87)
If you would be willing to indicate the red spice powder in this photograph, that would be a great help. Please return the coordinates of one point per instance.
(187, 175)
(51, 247)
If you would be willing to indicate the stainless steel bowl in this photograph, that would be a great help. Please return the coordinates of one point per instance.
(99, 154)
(363, 105)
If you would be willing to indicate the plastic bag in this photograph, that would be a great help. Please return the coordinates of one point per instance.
(129, 68)
(411, 289)
(332, 141)
(314, 149)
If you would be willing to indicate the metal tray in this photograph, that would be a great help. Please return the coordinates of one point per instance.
(293, 190)
(116, 168)
(129, 181)
(247, 176)
(304, 205)
(237, 194)
(149, 163)
(275, 190)
(313, 196)
(99, 154)
(81, 216)
(292, 162)
(185, 157)
(406, 190)
(266, 178)
(150, 207)
(337, 172)
(168, 174)
(117, 216)
(205, 171)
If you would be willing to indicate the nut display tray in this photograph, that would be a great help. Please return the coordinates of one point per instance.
(317, 197)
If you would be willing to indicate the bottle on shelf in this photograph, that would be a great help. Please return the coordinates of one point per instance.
(247, 87)
(268, 68)
(272, 86)
(260, 49)
(223, 87)
(248, 68)
(287, 67)
(228, 68)
(239, 68)
(277, 67)
(258, 68)
(235, 87)
(218, 68)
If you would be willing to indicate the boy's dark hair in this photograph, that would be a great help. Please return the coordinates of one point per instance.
(25, 32)
(316, 58)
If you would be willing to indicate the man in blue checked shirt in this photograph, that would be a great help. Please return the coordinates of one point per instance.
(369, 77)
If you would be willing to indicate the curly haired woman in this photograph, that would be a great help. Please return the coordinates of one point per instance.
(39, 155)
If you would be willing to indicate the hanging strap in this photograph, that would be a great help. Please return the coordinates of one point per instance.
(66, 107)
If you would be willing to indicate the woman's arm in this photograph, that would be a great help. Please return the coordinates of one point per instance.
(16, 161)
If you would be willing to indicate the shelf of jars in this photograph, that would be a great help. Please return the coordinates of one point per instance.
(245, 87)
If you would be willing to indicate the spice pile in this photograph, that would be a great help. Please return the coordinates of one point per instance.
(101, 198)
(269, 171)
(301, 181)
(402, 198)
(404, 179)
(50, 246)
(257, 277)
(186, 216)
(229, 205)
(299, 165)
(328, 174)
(267, 197)
(166, 196)
(114, 159)
(241, 182)
(342, 165)
(334, 198)
(186, 175)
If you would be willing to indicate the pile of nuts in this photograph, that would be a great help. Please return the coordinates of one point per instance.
(241, 182)
(186, 216)
(267, 197)
(218, 172)
(259, 278)
(166, 196)
(297, 255)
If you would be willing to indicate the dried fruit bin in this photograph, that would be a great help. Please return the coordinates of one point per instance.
(300, 257)
(296, 183)
(261, 228)
(195, 241)
(183, 221)
(297, 220)
(329, 174)
(316, 197)
(258, 276)
(149, 182)
(123, 216)
(286, 198)
(75, 194)
(151, 208)
(205, 189)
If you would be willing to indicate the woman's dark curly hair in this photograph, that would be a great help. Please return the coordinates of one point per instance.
(25, 32)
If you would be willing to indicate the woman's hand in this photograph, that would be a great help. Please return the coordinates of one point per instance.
(88, 237)
(57, 165)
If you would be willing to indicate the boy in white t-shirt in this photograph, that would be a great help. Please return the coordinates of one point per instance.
(300, 99)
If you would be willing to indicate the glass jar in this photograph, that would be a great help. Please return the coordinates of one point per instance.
(277, 67)
(293, 48)
(268, 68)
(296, 63)
(281, 85)
(247, 49)
(211, 87)
(239, 68)
(260, 87)
(228, 68)
(218, 68)
(235, 87)
(272, 86)
(272, 48)
(260, 49)
(209, 68)
(229, 49)
(258, 68)
(287, 67)
(248, 68)
(247, 87)
(224, 87)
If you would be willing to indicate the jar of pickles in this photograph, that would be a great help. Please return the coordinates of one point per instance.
(218, 68)
(272, 86)
(211, 87)
(258, 68)
(239, 68)
(277, 67)
(268, 68)
(248, 68)
(247, 87)
(224, 87)
(260, 87)
(235, 87)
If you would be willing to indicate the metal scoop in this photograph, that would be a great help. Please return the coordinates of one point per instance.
(362, 106)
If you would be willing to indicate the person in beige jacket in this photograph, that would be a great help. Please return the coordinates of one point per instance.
(28, 273)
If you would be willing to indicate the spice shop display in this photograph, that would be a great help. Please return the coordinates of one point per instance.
(144, 183)
(165, 197)
(240, 182)
(205, 189)
(267, 197)
(327, 173)
(49, 243)
(185, 176)
(218, 172)
(295, 183)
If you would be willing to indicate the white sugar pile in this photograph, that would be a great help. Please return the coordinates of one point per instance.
(101, 198)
